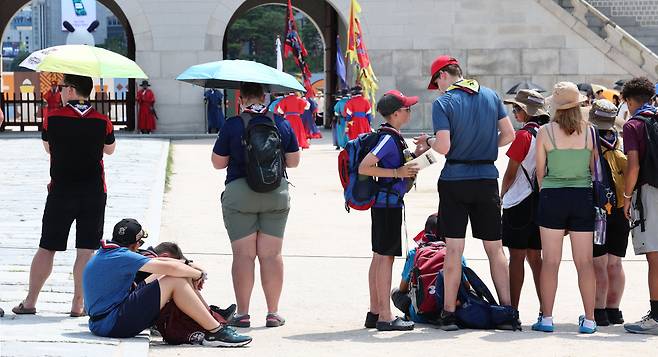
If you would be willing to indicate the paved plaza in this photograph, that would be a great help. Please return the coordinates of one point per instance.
(326, 250)
(135, 179)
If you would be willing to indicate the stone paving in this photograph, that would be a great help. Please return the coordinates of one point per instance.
(135, 178)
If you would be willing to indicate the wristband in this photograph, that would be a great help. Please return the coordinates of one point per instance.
(427, 141)
(203, 276)
(628, 196)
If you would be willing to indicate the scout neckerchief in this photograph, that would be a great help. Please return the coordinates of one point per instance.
(255, 109)
(470, 86)
(82, 107)
(609, 139)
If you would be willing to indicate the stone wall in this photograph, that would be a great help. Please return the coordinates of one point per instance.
(499, 43)
(637, 17)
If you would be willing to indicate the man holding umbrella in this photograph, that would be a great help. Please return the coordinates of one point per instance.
(76, 137)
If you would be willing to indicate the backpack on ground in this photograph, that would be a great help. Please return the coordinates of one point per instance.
(478, 308)
(178, 328)
(361, 191)
(428, 262)
(265, 162)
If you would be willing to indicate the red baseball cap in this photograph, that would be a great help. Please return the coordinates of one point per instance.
(394, 100)
(437, 65)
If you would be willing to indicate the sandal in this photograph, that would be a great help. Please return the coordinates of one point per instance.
(78, 314)
(22, 310)
(274, 320)
(240, 321)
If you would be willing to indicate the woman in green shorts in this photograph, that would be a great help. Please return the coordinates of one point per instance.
(255, 221)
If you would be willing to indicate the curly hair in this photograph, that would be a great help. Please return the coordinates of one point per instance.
(640, 89)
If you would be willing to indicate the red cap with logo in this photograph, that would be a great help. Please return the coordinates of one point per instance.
(437, 65)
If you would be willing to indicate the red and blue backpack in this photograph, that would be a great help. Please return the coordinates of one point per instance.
(361, 191)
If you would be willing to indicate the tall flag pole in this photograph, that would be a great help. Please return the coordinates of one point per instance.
(279, 57)
(357, 53)
(294, 45)
(340, 65)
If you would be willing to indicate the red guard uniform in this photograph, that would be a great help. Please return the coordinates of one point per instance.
(358, 114)
(292, 107)
(53, 100)
(146, 100)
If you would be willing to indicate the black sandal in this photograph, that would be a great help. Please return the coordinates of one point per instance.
(396, 325)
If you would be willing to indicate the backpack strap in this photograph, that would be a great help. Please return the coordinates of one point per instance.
(533, 131)
(478, 285)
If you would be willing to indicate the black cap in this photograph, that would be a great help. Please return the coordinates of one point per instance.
(128, 231)
(392, 101)
(356, 90)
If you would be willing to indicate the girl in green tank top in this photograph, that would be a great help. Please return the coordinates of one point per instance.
(567, 167)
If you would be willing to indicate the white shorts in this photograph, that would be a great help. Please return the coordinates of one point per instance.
(647, 241)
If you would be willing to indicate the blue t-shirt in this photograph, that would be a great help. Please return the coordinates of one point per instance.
(406, 276)
(389, 157)
(229, 143)
(473, 123)
(106, 282)
(273, 105)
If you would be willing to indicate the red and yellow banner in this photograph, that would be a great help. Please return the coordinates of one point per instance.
(357, 53)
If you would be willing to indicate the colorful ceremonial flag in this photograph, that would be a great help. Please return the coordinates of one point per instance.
(294, 45)
(357, 53)
(340, 65)
(279, 57)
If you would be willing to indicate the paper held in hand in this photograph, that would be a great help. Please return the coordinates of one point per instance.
(423, 161)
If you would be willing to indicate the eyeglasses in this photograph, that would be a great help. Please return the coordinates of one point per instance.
(516, 109)
(140, 242)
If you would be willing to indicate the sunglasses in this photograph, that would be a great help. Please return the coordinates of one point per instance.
(60, 86)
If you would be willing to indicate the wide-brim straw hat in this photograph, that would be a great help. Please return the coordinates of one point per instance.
(603, 114)
(565, 96)
(532, 102)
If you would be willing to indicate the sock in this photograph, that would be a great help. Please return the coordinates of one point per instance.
(547, 320)
(589, 323)
(215, 329)
(612, 309)
(654, 309)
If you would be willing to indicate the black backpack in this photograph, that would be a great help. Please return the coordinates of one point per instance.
(649, 164)
(265, 162)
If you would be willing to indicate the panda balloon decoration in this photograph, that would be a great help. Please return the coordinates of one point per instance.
(80, 37)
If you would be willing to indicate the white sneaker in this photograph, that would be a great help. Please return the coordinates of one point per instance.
(647, 326)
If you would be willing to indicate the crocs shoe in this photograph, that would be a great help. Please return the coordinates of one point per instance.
(396, 325)
(274, 320)
(225, 337)
(584, 329)
(539, 326)
(240, 321)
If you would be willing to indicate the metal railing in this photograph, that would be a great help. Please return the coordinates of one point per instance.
(27, 109)
(617, 39)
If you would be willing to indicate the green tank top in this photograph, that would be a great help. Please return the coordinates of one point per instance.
(567, 167)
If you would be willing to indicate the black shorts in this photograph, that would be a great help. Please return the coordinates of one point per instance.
(519, 228)
(138, 311)
(477, 200)
(617, 230)
(569, 208)
(386, 231)
(86, 209)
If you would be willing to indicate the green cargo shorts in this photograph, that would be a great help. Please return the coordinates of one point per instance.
(246, 211)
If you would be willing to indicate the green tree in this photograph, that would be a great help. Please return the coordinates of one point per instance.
(14, 66)
(116, 45)
(253, 37)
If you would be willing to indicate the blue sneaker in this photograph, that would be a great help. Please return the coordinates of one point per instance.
(539, 326)
(582, 328)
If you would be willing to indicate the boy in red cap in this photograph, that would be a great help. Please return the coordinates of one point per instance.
(386, 162)
(470, 122)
